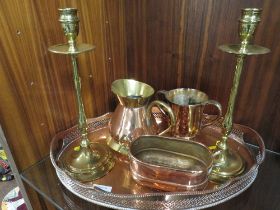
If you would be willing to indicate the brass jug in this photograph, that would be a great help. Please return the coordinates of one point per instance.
(133, 116)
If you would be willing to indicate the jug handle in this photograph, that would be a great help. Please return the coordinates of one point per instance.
(218, 106)
(163, 92)
(165, 107)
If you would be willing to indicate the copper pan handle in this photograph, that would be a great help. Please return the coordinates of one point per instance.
(165, 107)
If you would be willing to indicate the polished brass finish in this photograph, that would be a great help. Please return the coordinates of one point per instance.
(170, 164)
(249, 50)
(87, 161)
(227, 162)
(70, 25)
(133, 116)
(188, 105)
(64, 49)
(132, 93)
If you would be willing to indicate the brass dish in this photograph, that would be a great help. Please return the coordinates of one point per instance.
(170, 164)
(127, 194)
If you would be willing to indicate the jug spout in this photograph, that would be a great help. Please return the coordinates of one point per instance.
(132, 93)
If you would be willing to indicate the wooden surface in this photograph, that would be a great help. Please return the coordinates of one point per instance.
(166, 43)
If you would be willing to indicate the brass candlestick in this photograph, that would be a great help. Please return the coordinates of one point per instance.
(227, 162)
(88, 161)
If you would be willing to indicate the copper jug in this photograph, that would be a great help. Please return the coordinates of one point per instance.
(133, 116)
(188, 107)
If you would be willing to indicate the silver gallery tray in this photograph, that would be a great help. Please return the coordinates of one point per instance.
(125, 193)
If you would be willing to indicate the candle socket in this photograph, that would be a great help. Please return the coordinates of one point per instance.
(250, 18)
(70, 25)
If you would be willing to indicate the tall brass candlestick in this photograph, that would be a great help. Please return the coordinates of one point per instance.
(227, 162)
(88, 161)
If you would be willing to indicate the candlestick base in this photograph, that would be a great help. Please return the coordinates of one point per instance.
(227, 164)
(87, 163)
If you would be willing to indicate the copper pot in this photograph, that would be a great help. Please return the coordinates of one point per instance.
(170, 164)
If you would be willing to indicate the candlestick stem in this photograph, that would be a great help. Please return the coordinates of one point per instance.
(82, 116)
(228, 119)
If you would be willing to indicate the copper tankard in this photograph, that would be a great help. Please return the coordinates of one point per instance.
(133, 116)
(188, 105)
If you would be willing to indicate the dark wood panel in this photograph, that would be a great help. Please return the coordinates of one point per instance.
(115, 39)
(166, 43)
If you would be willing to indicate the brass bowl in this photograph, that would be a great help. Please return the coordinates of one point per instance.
(170, 164)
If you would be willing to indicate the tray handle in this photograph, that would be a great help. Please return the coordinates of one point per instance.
(255, 136)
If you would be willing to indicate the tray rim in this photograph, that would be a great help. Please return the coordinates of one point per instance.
(126, 208)
(252, 170)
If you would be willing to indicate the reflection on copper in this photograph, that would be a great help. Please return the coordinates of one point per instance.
(170, 164)
(133, 115)
(188, 106)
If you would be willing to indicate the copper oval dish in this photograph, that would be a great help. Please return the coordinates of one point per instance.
(170, 164)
